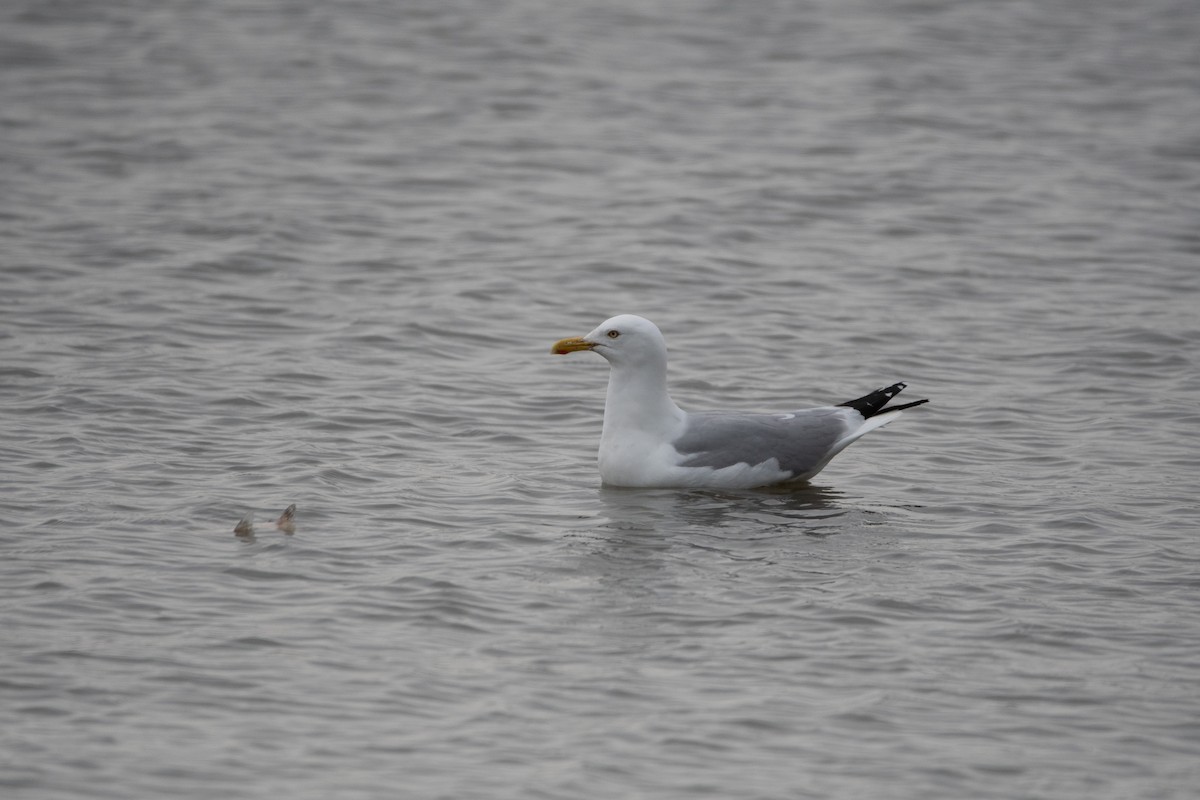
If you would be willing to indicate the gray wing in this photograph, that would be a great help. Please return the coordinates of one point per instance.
(800, 440)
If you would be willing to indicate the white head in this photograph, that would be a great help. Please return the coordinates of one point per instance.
(623, 340)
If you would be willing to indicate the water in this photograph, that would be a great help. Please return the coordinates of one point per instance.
(256, 254)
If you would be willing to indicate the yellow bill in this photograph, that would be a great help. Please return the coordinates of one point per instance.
(564, 346)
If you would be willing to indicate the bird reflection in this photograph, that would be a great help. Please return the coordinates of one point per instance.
(740, 513)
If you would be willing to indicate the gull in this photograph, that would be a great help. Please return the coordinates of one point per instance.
(649, 442)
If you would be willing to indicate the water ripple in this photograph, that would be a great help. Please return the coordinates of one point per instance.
(269, 255)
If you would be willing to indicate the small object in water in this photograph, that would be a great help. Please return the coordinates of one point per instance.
(287, 520)
(245, 526)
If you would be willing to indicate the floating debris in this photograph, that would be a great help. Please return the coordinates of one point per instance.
(245, 526)
(285, 523)
(287, 520)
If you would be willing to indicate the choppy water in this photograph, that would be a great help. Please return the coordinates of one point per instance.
(282, 252)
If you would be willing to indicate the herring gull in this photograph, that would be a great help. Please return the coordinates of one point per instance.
(649, 442)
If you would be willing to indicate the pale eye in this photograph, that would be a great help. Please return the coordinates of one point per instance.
(613, 334)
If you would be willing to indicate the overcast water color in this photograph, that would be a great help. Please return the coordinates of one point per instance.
(315, 253)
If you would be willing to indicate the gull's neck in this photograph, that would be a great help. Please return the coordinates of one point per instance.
(638, 401)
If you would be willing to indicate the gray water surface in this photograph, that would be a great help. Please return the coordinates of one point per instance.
(255, 254)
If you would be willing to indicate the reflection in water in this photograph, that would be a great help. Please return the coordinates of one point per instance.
(667, 559)
(806, 510)
(642, 536)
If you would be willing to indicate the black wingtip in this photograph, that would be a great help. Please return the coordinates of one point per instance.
(901, 408)
(877, 401)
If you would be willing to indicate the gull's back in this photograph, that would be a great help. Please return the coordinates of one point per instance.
(801, 441)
